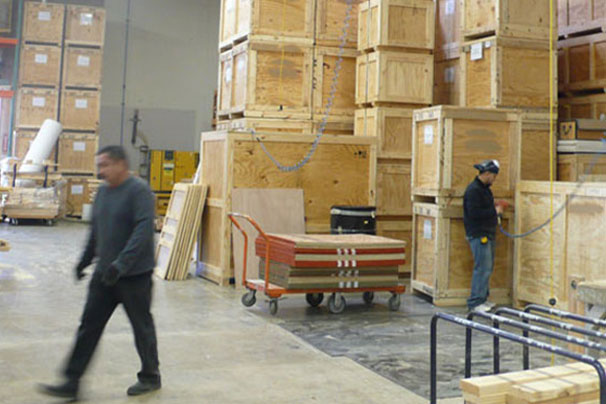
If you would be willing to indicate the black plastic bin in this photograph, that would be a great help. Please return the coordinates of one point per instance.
(353, 219)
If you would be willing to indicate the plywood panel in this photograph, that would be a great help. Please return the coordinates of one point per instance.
(213, 167)
(391, 126)
(393, 188)
(478, 76)
(325, 61)
(330, 19)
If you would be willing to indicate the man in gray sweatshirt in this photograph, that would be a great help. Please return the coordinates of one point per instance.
(122, 239)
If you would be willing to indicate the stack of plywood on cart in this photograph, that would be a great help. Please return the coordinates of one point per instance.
(394, 76)
(331, 261)
(582, 150)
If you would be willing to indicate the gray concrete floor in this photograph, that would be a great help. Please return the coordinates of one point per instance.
(214, 350)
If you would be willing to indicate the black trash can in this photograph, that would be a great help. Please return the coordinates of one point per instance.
(353, 219)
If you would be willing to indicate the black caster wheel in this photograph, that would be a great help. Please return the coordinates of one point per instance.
(368, 297)
(249, 298)
(394, 302)
(314, 299)
(336, 304)
(273, 306)
(49, 222)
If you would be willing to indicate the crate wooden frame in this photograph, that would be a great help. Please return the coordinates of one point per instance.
(582, 129)
(399, 228)
(325, 59)
(76, 117)
(72, 159)
(499, 80)
(580, 16)
(22, 142)
(447, 82)
(78, 74)
(579, 107)
(329, 19)
(40, 65)
(394, 188)
(75, 201)
(447, 276)
(36, 28)
(580, 65)
(32, 116)
(85, 25)
(335, 125)
(342, 171)
(574, 167)
(391, 126)
(386, 25)
(448, 30)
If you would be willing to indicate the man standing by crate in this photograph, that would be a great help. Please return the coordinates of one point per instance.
(122, 239)
(480, 216)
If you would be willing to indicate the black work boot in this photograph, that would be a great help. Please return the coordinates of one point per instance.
(143, 387)
(69, 389)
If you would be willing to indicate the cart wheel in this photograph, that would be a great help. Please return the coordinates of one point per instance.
(335, 305)
(314, 299)
(394, 302)
(368, 297)
(249, 298)
(15, 222)
(50, 222)
(273, 306)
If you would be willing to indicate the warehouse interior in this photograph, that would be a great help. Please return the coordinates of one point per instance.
(306, 167)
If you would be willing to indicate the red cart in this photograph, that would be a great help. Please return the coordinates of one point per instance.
(336, 301)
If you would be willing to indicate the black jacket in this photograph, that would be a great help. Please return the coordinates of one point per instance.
(479, 213)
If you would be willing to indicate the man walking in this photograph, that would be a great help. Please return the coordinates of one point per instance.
(122, 239)
(480, 216)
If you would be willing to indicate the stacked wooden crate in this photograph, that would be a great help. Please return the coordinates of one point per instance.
(581, 149)
(447, 66)
(394, 76)
(503, 115)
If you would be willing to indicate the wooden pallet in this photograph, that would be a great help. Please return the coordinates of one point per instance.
(43, 22)
(80, 110)
(85, 25)
(448, 30)
(40, 65)
(35, 105)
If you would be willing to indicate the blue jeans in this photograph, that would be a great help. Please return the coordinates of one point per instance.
(483, 258)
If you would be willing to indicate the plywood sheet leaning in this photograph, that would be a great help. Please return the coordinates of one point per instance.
(180, 229)
(275, 210)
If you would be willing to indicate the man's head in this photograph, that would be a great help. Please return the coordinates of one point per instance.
(488, 171)
(112, 165)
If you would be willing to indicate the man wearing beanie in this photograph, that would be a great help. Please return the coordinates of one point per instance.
(480, 216)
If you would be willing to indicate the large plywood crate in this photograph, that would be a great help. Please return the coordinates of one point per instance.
(492, 75)
(267, 125)
(396, 24)
(34, 105)
(448, 140)
(581, 63)
(578, 107)
(399, 228)
(582, 129)
(80, 110)
(392, 77)
(391, 126)
(330, 21)
(506, 18)
(448, 30)
(577, 167)
(341, 172)
(43, 22)
(580, 16)
(266, 79)
(447, 82)
(442, 262)
(23, 140)
(80, 191)
(85, 25)
(266, 19)
(393, 188)
(77, 153)
(577, 239)
(40, 65)
(82, 67)
(325, 60)
(335, 125)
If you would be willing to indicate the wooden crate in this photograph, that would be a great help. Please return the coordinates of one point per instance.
(581, 63)
(442, 263)
(80, 109)
(267, 125)
(77, 153)
(447, 82)
(82, 67)
(582, 129)
(391, 77)
(43, 22)
(78, 194)
(587, 167)
(505, 18)
(448, 30)
(325, 60)
(266, 79)
(36, 105)
(492, 75)
(399, 228)
(40, 65)
(23, 140)
(85, 25)
(396, 24)
(448, 140)
(392, 127)
(266, 19)
(577, 239)
(579, 107)
(342, 171)
(393, 188)
(335, 125)
(580, 16)
(330, 19)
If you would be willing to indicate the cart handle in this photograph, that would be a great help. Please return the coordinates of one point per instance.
(232, 216)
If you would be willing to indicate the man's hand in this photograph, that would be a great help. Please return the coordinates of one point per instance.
(499, 209)
(501, 206)
(110, 276)
(79, 271)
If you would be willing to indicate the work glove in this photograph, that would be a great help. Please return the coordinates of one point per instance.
(79, 271)
(110, 276)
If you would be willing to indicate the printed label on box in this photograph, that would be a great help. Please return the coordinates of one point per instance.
(228, 74)
(83, 61)
(79, 146)
(39, 101)
(44, 15)
(427, 230)
(477, 51)
(86, 19)
(41, 58)
(449, 7)
(428, 134)
(77, 189)
(81, 103)
(449, 74)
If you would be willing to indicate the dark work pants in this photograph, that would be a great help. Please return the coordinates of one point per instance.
(135, 295)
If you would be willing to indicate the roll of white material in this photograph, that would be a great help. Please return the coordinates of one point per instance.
(41, 147)
(87, 212)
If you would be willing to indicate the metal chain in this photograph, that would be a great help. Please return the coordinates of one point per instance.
(327, 107)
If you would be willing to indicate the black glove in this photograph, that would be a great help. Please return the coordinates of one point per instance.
(79, 271)
(110, 276)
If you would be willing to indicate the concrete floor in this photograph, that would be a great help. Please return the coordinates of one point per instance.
(212, 349)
